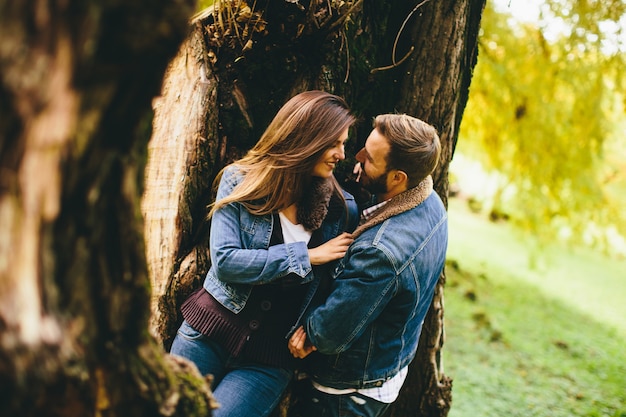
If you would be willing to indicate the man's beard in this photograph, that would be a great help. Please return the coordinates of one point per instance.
(376, 185)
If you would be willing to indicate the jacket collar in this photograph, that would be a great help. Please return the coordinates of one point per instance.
(313, 206)
(404, 201)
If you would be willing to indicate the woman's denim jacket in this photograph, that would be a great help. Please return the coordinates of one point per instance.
(369, 326)
(241, 254)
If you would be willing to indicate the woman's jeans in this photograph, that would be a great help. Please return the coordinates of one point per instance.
(242, 389)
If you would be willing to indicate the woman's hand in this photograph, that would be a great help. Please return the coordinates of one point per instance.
(333, 249)
(298, 345)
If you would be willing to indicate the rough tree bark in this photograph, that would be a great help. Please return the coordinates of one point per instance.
(181, 163)
(77, 78)
(242, 64)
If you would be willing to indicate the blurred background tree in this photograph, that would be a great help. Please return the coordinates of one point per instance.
(545, 119)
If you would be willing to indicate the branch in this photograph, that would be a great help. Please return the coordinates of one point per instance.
(395, 42)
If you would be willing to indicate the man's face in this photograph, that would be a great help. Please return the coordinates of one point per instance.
(373, 170)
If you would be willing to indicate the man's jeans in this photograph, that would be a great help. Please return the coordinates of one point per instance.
(242, 389)
(314, 403)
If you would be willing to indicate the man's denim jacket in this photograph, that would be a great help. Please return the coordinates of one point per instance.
(241, 254)
(368, 328)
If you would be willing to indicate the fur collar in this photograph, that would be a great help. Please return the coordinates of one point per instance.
(404, 201)
(313, 206)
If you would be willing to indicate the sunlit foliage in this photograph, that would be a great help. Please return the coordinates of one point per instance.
(542, 112)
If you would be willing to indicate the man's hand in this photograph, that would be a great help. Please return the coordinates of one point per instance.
(357, 171)
(352, 184)
(299, 346)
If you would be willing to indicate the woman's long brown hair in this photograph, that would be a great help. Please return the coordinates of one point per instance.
(278, 168)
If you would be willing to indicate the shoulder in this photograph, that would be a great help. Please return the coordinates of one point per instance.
(231, 176)
(347, 195)
(408, 230)
(352, 210)
(428, 215)
(232, 172)
(350, 201)
(435, 199)
(432, 209)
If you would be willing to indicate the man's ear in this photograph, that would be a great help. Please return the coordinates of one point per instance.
(399, 177)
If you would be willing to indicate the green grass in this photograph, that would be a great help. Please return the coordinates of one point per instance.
(528, 332)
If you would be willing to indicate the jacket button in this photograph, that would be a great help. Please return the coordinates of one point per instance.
(266, 305)
(254, 325)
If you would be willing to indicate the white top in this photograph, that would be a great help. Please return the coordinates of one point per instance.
(387, 393)
(293, 232)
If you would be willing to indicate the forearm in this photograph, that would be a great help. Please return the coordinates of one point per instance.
(260, 266)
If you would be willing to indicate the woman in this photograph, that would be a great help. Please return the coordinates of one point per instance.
(278, 222)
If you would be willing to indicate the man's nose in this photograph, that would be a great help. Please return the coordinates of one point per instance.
(359, 156)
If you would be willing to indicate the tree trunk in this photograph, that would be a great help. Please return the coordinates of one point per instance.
(77, 78)
(181, 163)
(239, 66)
(446, 39)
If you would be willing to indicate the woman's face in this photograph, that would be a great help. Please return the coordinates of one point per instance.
(326, 164)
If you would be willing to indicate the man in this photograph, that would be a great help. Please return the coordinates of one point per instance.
(366, 332)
